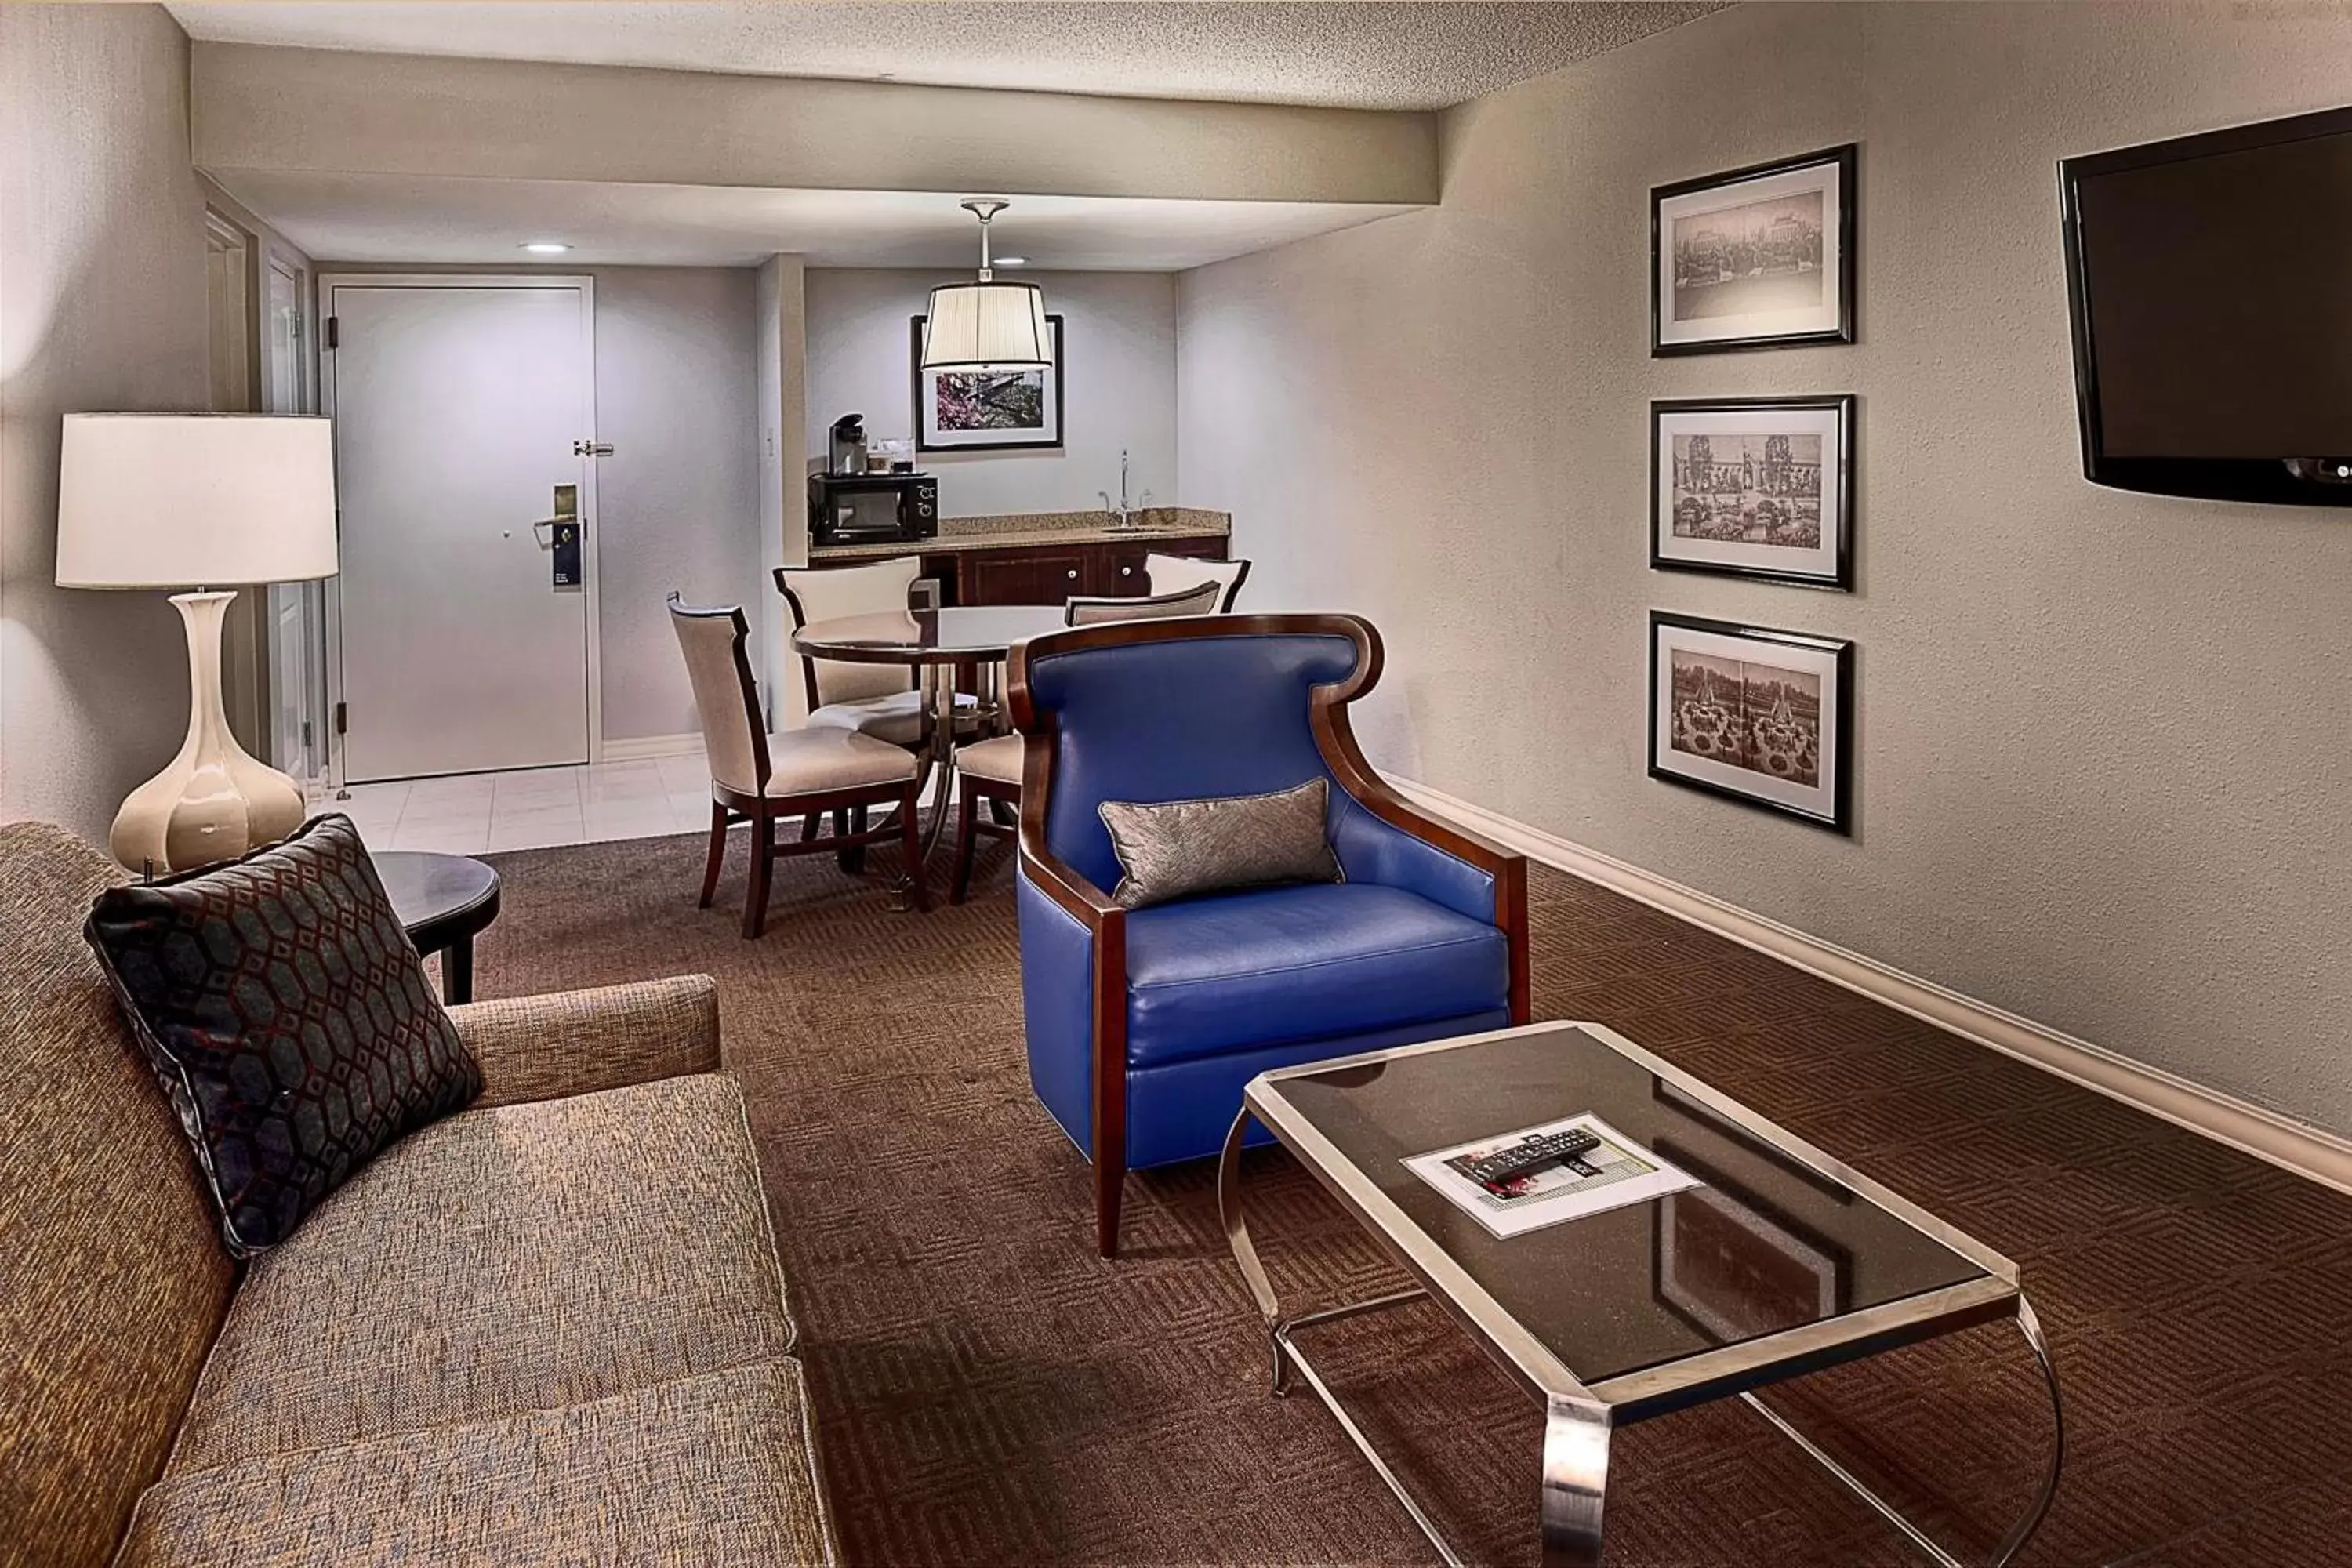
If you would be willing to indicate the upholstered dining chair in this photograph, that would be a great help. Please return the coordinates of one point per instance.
(884, 701)
(1174, 574)
(759, 778)
(1144, 1025)
(990, 770)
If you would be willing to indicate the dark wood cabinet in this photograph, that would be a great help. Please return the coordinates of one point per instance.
(1121, 572)
(1049, 574)
(1043, 576)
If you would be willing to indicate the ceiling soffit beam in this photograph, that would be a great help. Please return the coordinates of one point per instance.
(344, 111)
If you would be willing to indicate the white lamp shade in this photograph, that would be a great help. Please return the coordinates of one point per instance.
(178, 500)
(987, 326)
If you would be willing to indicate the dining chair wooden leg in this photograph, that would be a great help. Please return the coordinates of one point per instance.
(763, 861)
(847, 820)
(910, 821)
(717, 854)
(967, 831)
(808, 825)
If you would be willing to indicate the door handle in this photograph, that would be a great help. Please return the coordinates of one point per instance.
(1074, 573)
(567, 508)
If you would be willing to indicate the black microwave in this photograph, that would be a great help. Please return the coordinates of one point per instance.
(872, 509)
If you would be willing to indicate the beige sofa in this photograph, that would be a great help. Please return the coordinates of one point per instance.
(551, 1329)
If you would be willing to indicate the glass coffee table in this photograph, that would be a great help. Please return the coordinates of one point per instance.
(1780, 1262)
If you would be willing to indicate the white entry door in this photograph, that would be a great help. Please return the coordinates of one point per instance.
(456, 408)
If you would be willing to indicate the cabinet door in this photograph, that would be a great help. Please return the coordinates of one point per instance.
(1118, 570)
(1121, 565)
(1025, 576)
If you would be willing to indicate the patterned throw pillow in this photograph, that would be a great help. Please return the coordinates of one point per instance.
(1171, 850)
(287, 1018)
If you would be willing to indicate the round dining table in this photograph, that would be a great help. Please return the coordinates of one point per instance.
(932, 642)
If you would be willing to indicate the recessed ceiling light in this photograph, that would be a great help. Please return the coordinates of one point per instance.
(546, 246)
(1012, 261)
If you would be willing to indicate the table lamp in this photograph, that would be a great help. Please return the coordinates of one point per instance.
(185, 500)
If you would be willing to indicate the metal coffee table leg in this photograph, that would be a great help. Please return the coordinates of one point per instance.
(1575, 1482)
(2027, 1523)
(1289, 1358)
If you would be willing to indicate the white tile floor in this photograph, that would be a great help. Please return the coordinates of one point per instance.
(474, 814)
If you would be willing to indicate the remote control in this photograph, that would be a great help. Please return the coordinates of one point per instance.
(1553, 1148)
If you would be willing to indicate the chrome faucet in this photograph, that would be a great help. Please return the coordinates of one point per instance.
(1123, 515)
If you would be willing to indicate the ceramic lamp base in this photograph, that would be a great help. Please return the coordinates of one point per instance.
(213, 801)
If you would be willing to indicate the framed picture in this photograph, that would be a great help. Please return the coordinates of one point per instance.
(1734, 1266)
(1756, 487)
(1756, 259)
(1758, 716)
(992, 410)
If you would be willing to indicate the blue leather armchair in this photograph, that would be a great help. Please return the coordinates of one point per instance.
(1143, 1026)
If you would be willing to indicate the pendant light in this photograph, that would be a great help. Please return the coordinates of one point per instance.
(987, 324)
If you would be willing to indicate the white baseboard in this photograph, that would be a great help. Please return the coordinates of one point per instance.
(638, 746)
(2297, 1146)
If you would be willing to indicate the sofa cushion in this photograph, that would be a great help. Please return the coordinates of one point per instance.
(507, 1259)
(1209, 976)
(287, 1018)
(714, 1468)
(112, 1285)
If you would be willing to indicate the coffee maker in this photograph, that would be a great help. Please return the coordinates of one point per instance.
(847, 452)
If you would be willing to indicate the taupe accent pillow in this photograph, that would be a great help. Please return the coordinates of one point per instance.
(1172, 849)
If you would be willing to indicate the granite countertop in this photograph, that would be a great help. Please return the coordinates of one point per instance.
(1024, 529)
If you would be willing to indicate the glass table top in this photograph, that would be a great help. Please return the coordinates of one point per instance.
(928, 637)
(1771, 1241)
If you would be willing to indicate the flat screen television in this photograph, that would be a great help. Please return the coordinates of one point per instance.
(2210, 280)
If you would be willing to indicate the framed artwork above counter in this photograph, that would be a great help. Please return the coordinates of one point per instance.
(988, 410)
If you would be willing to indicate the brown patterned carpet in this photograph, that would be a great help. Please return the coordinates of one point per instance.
(993, 1392)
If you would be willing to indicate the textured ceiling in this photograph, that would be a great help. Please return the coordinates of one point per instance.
(1393, 55)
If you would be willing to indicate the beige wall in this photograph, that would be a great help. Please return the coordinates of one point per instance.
(1119, 348)
(101, 307)
(2102, 738)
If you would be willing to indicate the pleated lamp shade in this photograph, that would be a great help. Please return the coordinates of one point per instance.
(987, 325)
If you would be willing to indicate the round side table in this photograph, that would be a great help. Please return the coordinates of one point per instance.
(443, 901)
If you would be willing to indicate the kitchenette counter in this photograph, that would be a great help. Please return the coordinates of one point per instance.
(1025, 531)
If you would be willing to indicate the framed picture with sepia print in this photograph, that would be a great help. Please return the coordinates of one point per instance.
(1014, 408)
(1756, 258)
(1758, 716)
(1755, 487)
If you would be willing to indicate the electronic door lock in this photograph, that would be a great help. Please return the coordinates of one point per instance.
(563, 539)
